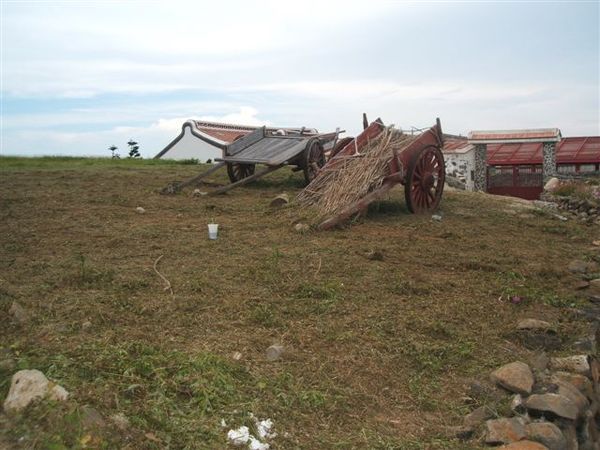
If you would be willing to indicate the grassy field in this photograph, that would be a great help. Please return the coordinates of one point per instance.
(378, 351)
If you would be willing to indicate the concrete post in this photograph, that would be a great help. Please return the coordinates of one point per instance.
(549, 160)
(480, 182)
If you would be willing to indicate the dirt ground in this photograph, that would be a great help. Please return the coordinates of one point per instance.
(378, 352)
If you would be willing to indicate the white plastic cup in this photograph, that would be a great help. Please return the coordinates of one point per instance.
(213, 230)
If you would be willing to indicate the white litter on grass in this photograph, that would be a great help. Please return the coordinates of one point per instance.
(239, 436)
(263, 427)
(255, 444)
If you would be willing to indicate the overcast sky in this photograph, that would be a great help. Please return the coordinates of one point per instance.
(79, 76)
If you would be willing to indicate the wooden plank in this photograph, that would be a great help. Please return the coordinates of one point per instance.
(245, 142)
(171, 189)
(246, 180)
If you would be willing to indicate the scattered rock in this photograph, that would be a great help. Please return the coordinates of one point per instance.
(91, 419)
(279, 201)
(517, 405)
(576, 364)
(572, 393)
(524, 445)
(534, 325)
(477, 416)
(198, 193)
(275, 352)
(121, 421)
(548, 434)
(582, 284)
(140, 210)
(504, 431)
(236, 356)
(579, 266)
(30, 385)
(436, 217)
(582, 383)
(301, 227)
(515, 377)
(552, 184)
(85, 326)
(18, 313)
(375, 255)
(556, 404)
(586, 344)
(539, 362)
(463, 433)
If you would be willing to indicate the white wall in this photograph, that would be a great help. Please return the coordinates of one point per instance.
(460, 165)
(191, 146)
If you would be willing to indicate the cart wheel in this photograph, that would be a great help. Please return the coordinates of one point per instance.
(315, 159)
(425, 180)
(238, 171)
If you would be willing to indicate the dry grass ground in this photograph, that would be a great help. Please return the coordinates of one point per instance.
(379, 350)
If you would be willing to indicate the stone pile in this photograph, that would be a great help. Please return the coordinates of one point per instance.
(585, 209)
(553, 406)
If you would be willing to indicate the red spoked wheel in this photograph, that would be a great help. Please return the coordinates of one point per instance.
(315, 159)
(238, 171)
(425, 180)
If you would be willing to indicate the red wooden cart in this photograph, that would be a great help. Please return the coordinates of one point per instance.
(419, 166)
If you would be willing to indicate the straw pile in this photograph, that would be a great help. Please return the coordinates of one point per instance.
(352, 177)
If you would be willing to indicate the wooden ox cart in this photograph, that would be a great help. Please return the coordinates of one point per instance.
(418, 164)
(274, 149)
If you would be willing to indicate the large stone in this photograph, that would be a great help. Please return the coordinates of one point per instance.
(515, 377)
(577, 364)
(29, 385)
(477, 416)
(552, 184)
(524, 445)
(556, 404)
(546, 433)
(535, 325)
(504, 431)
(579, 381)
(572, 393)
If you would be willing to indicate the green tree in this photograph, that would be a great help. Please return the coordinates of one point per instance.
(113, 149)
(134, 149)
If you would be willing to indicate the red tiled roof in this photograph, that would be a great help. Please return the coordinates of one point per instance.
(502, 136)
(579, 149)
(455, 145)
(571, 150)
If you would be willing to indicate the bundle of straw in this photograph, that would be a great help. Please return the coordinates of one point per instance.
(353, 176)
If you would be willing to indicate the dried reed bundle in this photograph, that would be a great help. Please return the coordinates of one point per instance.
(353, 176)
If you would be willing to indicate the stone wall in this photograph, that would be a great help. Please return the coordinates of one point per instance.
(480, 182)
(549, 160)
